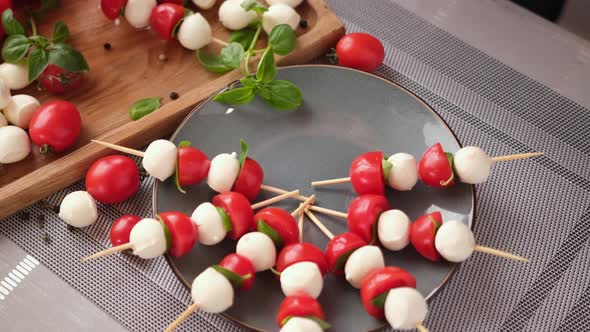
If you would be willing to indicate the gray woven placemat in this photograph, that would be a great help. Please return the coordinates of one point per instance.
(536, 208)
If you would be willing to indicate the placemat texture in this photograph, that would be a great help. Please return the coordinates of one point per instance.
(537, 208)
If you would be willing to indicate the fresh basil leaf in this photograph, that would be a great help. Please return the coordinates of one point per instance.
(244, 37)
(285, 320)
(10, 24)
(66, 57)
(282, 95)
(235, 279)
(244, 153)
(270, 232)
(267, 69)
(232, 55)
(248, 82)
(237, 96)
(184, 144)
(143, 107)
(379, 301)
(187, 12)
(36, 63)
(15, 48)
(386, 166)
(248, 4)
(166, 233)
(225, 218)
(451, 164)
(177, 181)
(322, 323)
(435, 225)
(282, 39)
(39, 41)
(341, 261)
(212, 62)
(61, 33)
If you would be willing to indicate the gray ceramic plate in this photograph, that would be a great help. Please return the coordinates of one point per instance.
(345, 113)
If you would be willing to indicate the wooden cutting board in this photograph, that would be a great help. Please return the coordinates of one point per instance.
(130, 71)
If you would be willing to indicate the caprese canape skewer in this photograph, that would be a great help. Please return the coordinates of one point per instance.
(301, 312)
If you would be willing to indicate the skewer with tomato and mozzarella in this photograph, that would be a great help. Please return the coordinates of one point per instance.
(302, 267)
(301, 312)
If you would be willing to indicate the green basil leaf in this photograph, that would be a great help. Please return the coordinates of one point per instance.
(452, 165)
(267, 69)
(282, 95)
(235, 279)
(184, 144)
(285, 320)
(386, 166)
(237, 96)
(187, 12)
(322, 323)
(61, 33)
(166, 233)
(248, 82)
(379, 301)
(282, 39)
(212, 62)
(341, 261)
(176, 173)
(15, 48)
(10, 24)
(143, 107)
(66, 57)
(272, 234)
(248, 4)
(232, 55)
(36, 63)
(244, 37)
(435, 225)
(39, 41)
(244, 153)
(225, 218)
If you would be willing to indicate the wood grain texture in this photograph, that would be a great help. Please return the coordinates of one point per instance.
(131, 70)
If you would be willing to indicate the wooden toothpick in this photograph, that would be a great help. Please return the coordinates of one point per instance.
(281, 191)
(183, 316)
(119, 148)
(421, 328)
(303, 206)
(275, 199)
(320, 225)
(500, 253)
(329, 182)
(328, 211)
(516, 156)
(106, 252)
(300, 225)
(219, 42)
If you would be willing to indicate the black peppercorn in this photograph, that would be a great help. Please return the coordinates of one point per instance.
(303, 24)
(107, 46)
(173, 95)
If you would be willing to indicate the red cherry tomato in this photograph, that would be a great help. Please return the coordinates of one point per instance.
(250, 179)
(435, 169)
(282, 222)
(121, 228)
(112, 179)
(242, 266)
(183, 232)
(55, 125)
(165, 17)
(56, 80)
(380, 281)
(178, 2)
(239, 211)
(299, 305)
(366, 174)
(4, 4)
(301, 252)
(422, 234)
(193, 165)
(112, 8)
(342, 244)
(363, 214)
(360, 51)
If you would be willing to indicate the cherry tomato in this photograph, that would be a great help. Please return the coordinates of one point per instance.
(55, 125)
(299, 305)
(56, 80)
(380, 281)
(112, 8)
(250, 179)
(183, 232)
(4, 5)
(341, 245)
(112, 179)
(121, 228)
(238, 210)
(301, 252)
(242, 266)
(165, 17)
(363, 214)
(366, 174)
(360, 51)
(435, 168)
(193, 165)
(282, 222)
(422, 234)
(178, 2)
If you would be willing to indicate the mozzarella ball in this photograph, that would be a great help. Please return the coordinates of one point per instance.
(302, 277)
(194, 32)
(361, 262)
(159, 159)
(21, 109)
(139, 12)
(204, 4)
(223, 172)
(233, 16)
(15, 76)
(404, 172)
(454, 241)
(301, 324)
(5, 98)
(212, 292)
(148, 239)
(259, 249)
(393, 229)
(14, 144)
(207, 218)
(3, 121)
(290, 3)
(279, 14)
(472, 165)
(78, 209)
(405, 308)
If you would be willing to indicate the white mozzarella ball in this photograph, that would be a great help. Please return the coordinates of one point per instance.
(290, 3)
(139, 12)
(194, 32)
(204, 4)
(5, 98)
(3, 121)
(212, 292)
(21, 109)
(472, 165)
(78, 209)
(223, 172)
(148, 239)
(233, 16)
(279, 14)
(14, 144)
(159, 159)
(405, 308)
(404, 172)
(361, 262)
(454, 241)
(14, 75)
(303, 277)
(393, 229)
(259, 249)
(301, 324)
(211, 229)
